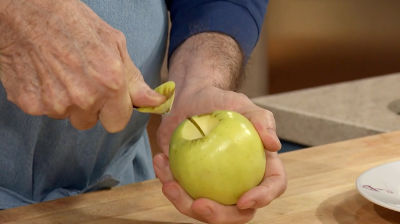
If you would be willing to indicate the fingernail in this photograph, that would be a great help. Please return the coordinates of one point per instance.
(248, 204)
(206, 211)
(172, 193)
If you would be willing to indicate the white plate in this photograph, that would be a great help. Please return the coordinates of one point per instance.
(381, 185)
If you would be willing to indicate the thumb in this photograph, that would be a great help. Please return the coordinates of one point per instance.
(167, 126)
(141, 94)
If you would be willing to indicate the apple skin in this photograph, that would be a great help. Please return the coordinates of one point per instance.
(228, 161)
(168, 90)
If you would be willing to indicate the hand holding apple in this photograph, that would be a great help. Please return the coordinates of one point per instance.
(207, 100)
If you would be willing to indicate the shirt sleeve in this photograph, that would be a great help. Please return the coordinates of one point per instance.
(240, 19)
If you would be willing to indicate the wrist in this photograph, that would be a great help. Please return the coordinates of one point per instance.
(207, 59)
(193, 74)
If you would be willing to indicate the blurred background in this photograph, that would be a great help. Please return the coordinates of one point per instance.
(311, 43)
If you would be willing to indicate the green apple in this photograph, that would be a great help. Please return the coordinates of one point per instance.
(218, 156)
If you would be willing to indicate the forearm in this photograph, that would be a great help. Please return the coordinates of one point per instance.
(207, 59)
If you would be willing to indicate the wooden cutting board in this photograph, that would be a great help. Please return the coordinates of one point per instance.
(321, 189)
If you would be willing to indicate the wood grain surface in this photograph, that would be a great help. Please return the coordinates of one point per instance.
(321, 189)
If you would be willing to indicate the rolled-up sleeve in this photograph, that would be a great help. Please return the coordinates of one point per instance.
(240, 19)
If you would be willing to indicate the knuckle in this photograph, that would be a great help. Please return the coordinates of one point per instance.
(263, 120)
(54, 104)
(116, 67)
(270, 113)
(116, 77)
(267, 114)
(239, 100)
(58, 110)
(242, 97)
(268, 118)
(120, 37)
(81, 99)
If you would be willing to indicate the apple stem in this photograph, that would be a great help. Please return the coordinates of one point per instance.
(196, 125)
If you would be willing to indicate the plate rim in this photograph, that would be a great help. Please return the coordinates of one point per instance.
(368, 197)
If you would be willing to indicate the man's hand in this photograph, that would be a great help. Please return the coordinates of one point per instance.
(273, 184)
(203, 85)
(209, 211)
(61, 60)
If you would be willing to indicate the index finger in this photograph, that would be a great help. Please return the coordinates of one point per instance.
(116, 112)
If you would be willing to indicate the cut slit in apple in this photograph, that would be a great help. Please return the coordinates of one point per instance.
(168, 90)
(199, 126)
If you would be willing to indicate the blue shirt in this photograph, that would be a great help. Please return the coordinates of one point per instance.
(44, 159)
(240, 19)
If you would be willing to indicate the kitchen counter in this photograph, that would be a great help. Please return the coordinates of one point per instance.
(321, 189)
(337, 112)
